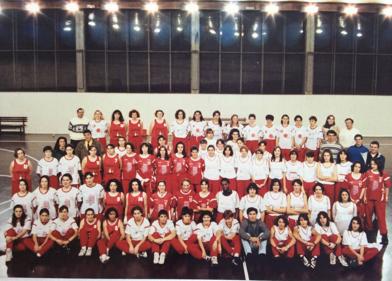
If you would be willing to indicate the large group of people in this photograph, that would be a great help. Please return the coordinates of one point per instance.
(214, 190)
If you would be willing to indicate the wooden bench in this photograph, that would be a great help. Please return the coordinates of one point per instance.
(13, 124)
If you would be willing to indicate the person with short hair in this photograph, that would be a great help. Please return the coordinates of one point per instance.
(129, 166)
(48, 166)
(331, 143)
(285, 137)
(326, 174)
(89, 233)
(69, 196)
(64, 229)
(252, 199)
(76, 126)
(227, 199)
(228, 236)
(318, 202)
(297, 203)
(282, 239)
(269, 133)
(275, 202)
(252, 133)
(196, 166)
(347, 134)
(254, 233)
(70, 164)
(309, 174)
(99, 127)
(92, 195)
(185, 228)
(374, 154)
(260, 171)
(162, 231)
(83, 148)
(314, 136)
(183, 198)
(204, 200)
(358, 152)
(300, 136)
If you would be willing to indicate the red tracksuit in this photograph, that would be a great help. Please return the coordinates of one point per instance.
(195, 251)
(355, 186)
(375, 191)
(94, 167)
(183, 200)
(332, 239)
(134, 201)
(158, 129)
(232, 246)
(20, 171)
(117, 130)
(135, 133)
(111, 168)
(203, 202)
(145, 169)
(88, 235)
(129, 167)
(158, 203)
(104, 245)
(195, 172)
(19, 244)
(114, 202)
(163, 173)
(179, 172)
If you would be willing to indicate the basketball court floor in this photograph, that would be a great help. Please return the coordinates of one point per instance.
(176, 267)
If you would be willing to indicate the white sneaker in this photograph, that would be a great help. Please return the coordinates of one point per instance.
(102, 258)
(342, 261)
(156, 258)
(38, 255)
(214, 261)
(332, 259)
(313, 262)
(305, 261)
(162, 258)
(143, 254)
(82, 251)
(89, 251)
(8, 255)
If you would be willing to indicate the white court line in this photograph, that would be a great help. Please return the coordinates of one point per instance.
(246, 273)
(9, 209)
(5, 202)
(28, 156)
(5, 176)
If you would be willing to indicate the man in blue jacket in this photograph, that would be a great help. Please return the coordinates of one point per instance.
(358, 152)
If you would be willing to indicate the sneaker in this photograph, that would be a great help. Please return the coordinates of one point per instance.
(313, 262)
(38, 255)
(123, 253)
(207, 258)
(332, 259)
(8, 255)
(82, 251)
(384, 240)
(143, 255)
(236, 261)
(162, 258)
(89, 251)
(156, 258)
(214, 261)
(305, 261)
(342, 261)
(104, 258)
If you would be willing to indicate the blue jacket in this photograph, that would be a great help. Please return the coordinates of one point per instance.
(359, 154)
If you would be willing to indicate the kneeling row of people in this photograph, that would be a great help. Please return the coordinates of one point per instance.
(205, 240)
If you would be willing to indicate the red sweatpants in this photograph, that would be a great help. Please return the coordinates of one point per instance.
(269, 220)
(160, 248)
(301, 154)
(368, 255)
(329, 190)
(104, 244)
(124, 246)
(64, 237)
(332, 239)
(308, 188)
(195, 251)
(339, 186)
(178, 247)
(19, 244)
(214, 185)
(263, 188)
(88, 237)
(379, 209)
(30, 245)
(253, 145)
(288, 254)
(232, 246)
(242, 185)
(302, 250)
(270, 145)
(286, 154)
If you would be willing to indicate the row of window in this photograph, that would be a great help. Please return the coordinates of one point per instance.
(250, 53)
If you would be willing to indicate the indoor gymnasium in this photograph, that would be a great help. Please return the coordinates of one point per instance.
(176, 139)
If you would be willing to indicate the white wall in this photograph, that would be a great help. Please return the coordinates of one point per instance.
(48, 113)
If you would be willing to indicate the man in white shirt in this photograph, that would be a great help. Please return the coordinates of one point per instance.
(76, 126)
(346, 135)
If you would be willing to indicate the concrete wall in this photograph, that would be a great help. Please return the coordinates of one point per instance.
(50, 112)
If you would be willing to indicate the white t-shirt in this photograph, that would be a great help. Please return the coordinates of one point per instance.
(294, 170)
(299, 134)
(269, 133)
(275, 200)
(326, 172)
(45, 200)
(343, 213)
(281, 236)
(316, 206)
(244, 165)
(252, 133)
(326, 230)
(212, 167)
(41, 230)
(48, 168)
(296, 203)
(18, 228)
(285, 135)
(98, 129)
(277, 169)
(218, 130)
(185, 230)
(91, 197)
(260, 169)
(346, 137)
(26, 202)
(254, 202)
(206, 233)
(70, 199)
(71, 166)
(227, 129)
(180, 130)
(229, 231)
(162, 230)
(354, 239)
(227, 167)
(197, 128)
(137, 232)
(63, 226)
(230, 202)
(305, 233)
(313, 136)
(309, 172)
(342, 170)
